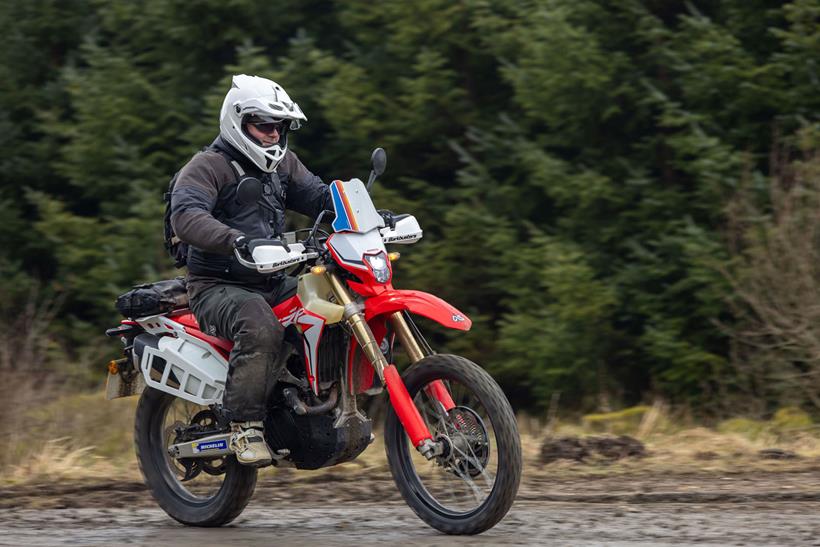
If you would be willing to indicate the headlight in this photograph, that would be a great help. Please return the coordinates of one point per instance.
(379, 265)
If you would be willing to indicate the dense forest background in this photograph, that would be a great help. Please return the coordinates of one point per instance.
(622, 195)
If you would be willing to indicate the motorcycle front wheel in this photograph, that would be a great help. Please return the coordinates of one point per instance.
(213, 492)
(472, 484)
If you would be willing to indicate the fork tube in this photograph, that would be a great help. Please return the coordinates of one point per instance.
(400, 399)
(361, 330)
(408, 341)
(435, 389)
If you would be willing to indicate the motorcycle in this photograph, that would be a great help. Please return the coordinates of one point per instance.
(450, 435)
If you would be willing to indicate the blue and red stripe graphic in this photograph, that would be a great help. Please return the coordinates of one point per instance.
(345, 219)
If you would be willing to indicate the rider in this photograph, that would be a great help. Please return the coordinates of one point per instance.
(228, 299)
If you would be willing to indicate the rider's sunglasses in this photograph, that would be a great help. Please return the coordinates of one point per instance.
(270, 127)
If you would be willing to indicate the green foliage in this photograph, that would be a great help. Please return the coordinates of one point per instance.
(784, 423)
(743, 426)
(571, 162)
(557, 328)
(791, 418)
(620, 422)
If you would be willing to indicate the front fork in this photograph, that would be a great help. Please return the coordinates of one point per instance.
(436, 390)
(402, 403)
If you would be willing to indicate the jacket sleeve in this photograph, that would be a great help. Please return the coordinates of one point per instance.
(192, 203)
(307, 194)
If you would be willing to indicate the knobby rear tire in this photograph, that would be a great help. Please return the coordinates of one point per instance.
(397, 446)
(234, 494)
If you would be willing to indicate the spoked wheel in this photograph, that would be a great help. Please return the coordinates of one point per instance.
(472, 484)
(194, 492)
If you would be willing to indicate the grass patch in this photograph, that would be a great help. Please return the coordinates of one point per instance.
(74, 436)
(620, 422)
(83, 436)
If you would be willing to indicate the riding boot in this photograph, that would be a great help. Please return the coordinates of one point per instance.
(248, 442)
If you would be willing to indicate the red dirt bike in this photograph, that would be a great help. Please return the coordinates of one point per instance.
(451, 437)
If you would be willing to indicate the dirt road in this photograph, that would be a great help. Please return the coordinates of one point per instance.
(775, 509)
(548, 523)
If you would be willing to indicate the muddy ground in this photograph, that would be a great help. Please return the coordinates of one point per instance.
(775, 508)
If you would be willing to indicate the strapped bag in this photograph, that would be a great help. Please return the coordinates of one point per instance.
(153, 298)
(177, 248)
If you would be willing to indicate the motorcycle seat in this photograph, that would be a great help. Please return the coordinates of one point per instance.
(185, 318)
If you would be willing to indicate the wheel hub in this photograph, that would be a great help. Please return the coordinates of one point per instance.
(467, 442)
(204, 421)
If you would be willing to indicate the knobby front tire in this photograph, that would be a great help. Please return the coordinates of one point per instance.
(431, 489)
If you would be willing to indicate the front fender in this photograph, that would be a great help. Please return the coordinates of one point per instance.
(418, 302)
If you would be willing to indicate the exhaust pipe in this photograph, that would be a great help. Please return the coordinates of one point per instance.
(302, 409)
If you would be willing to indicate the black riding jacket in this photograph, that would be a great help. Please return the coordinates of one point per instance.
(206, 214)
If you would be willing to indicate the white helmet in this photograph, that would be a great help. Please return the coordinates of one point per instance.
(266, 101)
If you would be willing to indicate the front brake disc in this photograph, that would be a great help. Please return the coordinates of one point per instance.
(471, 443)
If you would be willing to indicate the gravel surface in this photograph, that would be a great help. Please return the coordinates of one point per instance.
(781, 509)
(782, 524)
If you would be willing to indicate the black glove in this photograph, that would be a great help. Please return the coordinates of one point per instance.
(387, 215)
(241, 245)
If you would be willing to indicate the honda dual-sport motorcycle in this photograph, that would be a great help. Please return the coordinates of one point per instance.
(451, 437)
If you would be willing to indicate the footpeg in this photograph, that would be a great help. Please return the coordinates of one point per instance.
(280, 458)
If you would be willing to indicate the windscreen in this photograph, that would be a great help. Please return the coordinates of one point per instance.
(354, 208)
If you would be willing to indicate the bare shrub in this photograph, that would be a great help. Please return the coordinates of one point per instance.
(775, 278)
(24, 332)
(28, 378)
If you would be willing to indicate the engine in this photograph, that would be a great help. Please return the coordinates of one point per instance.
(315, 441)
(326, 438)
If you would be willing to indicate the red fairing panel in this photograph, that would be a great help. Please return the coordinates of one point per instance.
(312, 325)
(418, 302)
(284, 310)
(188, 320)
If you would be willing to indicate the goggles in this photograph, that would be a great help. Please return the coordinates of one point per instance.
(268, 126)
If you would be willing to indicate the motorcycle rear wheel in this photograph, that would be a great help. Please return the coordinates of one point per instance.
(486, 467)
(209, 503)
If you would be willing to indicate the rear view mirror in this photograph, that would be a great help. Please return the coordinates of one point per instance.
(379, 162)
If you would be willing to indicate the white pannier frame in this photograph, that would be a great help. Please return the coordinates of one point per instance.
(182, 365)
